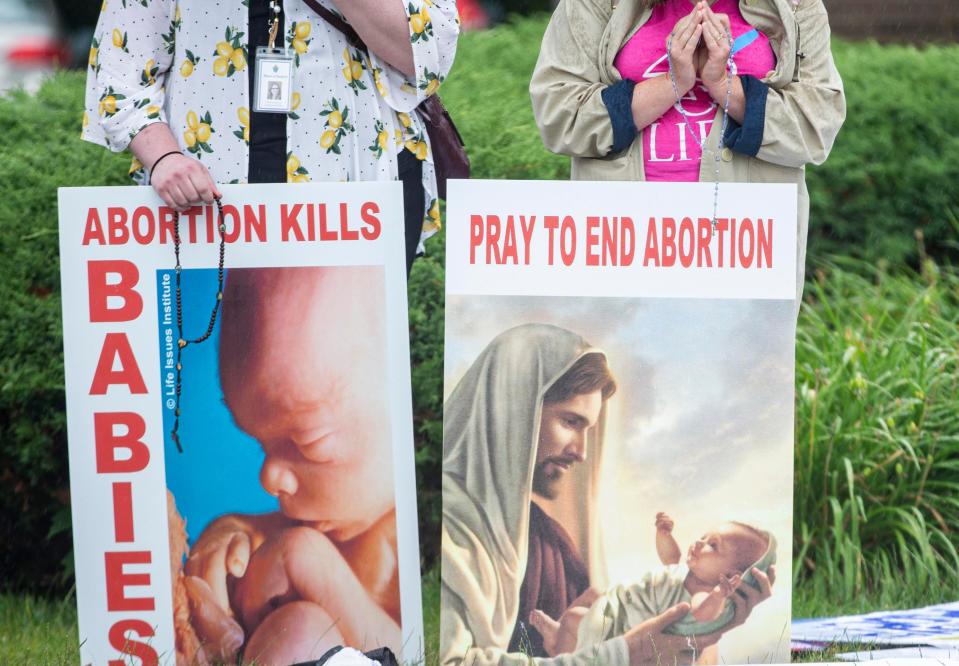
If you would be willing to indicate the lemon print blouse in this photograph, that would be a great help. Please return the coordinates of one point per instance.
(186, 63)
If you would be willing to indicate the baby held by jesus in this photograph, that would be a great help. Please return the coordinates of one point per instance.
(714, 570)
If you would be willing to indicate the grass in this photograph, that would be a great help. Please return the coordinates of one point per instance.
(431, 616)
(37, 631)
(877, 436)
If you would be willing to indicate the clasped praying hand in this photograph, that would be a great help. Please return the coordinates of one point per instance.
(699, 47)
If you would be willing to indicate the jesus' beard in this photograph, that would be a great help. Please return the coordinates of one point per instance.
(546, 483)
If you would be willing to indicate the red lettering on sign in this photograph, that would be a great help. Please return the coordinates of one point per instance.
(254, 223)
(123, 512)
(117, 225)
(107, 442)
(289, 222)
(746, 240)
(652, 244)
(705, 230)
(123, 645)
(118, 581)
(764, 243)
(372, 228)
(143, 225)
(116, 346)
(592, 240)
(93, 230)
(567, 241)
(100, 291)
(669, 242)
(346, 233)
(687, 242)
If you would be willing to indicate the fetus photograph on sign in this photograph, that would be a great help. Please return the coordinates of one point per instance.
(281, 502)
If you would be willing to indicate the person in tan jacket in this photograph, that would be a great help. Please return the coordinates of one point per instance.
(605, 92)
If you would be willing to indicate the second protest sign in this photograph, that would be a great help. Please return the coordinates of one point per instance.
(618, 419)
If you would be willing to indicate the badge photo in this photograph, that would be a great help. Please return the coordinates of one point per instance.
(274, 81)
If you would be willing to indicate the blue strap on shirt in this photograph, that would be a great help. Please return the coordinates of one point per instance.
(744, 40)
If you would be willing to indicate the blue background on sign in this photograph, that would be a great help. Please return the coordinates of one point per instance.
(218, 471)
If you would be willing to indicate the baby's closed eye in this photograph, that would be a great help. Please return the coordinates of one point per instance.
(326, 446)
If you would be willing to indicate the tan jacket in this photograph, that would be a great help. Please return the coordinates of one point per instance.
(804, 109)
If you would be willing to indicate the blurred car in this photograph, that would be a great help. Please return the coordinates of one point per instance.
(473, 15)
(31, 43)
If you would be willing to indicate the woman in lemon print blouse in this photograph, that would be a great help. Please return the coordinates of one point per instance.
(177, 75)
(173, 79)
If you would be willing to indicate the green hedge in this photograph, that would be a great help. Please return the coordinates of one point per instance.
(41, 151)
(894, 169)
(888, 173)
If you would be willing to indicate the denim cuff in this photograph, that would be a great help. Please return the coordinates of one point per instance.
(748, 137)
(618, 99)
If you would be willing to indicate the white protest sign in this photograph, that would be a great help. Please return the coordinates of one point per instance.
(621, 239)
(295, 423)
(619, 377)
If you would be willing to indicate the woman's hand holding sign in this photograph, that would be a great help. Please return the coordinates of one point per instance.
(181, 181)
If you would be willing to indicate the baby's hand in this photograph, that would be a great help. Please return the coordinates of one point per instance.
(728, 586)
(222, 550)
(266, 584)
(221, 635)
(294, 564)
(664, 523)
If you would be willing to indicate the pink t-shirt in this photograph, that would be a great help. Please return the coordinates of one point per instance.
(670, 153)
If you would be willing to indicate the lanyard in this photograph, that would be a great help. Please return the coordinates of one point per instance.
(273, 89)
(274, 23)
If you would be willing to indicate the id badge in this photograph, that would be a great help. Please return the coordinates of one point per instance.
(273, 92)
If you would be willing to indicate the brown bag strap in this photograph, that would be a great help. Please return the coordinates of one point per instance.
(449, 151)
(338, 23)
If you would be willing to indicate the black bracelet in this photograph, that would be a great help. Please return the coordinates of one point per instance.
(160, 159)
